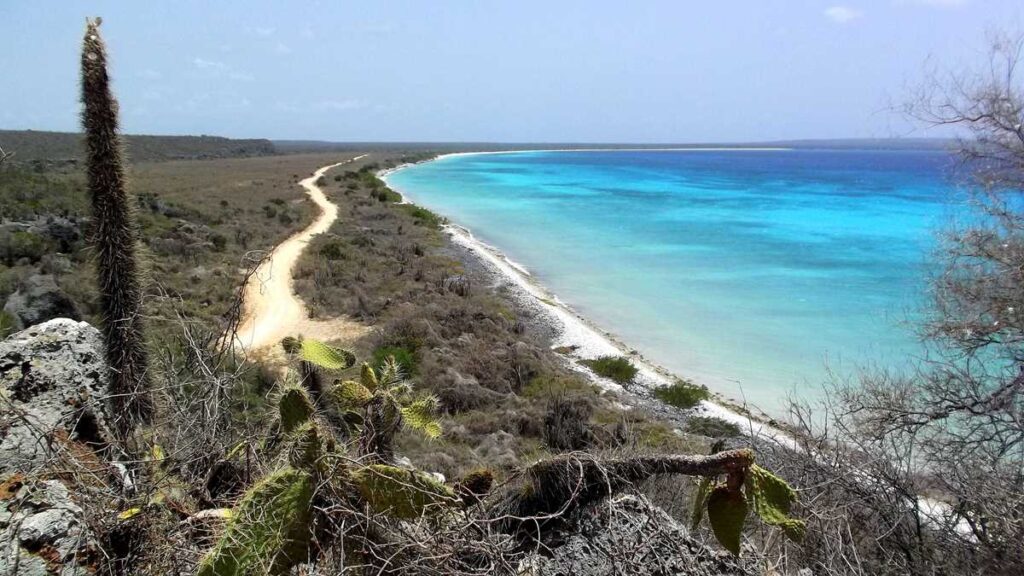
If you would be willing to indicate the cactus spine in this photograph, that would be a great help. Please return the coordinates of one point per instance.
(114, 238)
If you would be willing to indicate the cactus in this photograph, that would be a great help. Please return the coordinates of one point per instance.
(401, 493)
(291, 345)
(324, 356)
(295, 409)
(474, 486)
(271, 527)
(386, 403)
(114, 239)
(270, 530)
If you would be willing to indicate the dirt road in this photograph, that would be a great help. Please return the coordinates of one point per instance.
(272, 309)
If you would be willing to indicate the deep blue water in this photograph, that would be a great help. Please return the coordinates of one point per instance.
(751, 271)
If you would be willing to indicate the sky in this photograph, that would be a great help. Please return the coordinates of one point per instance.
(523, 71)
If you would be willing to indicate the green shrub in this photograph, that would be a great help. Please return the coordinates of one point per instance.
(682, 394)
(7, 324)
(20, 244)
(712, 427)
(404, 357)
(386, 194)
(544, 386)
(220, 242)
(423, 216)
(334, 250)
(618, 368)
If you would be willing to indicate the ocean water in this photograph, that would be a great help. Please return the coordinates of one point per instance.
(758, 273)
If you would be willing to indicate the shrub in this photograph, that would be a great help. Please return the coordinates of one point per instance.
(220, 242)
(682, 394)
(712, 427)
(8, 324)
(617, 368)
(567, 423)
(386, 195)
(423, 217)
(20, 244)
(548, 385)
(334, 250)
(404, 357)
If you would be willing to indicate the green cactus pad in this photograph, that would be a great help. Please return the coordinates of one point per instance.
(307, 448)
(269, 531)
(727, 512)
(351, 395)
(402, 493)
(419, 415)
(291, 345)
(325, 356)
(772, 498)
(296, 408)
(368, 377)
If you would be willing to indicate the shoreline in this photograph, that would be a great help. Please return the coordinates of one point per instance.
(583, 338)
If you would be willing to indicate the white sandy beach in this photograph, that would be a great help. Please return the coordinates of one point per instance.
(584, 337)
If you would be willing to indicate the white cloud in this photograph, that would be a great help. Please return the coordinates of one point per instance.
(208, 64)
(241, 76)
(264, 31)
(282, 48)
(842, 14)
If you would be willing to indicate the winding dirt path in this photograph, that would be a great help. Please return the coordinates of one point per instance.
(271, 308)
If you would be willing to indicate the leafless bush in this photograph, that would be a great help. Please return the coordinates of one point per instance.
(922, 472)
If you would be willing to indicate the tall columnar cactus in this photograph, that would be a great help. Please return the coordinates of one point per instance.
(114, 238)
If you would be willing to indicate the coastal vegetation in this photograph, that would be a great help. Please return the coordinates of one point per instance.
(327, 461)
(617, 368)
(682, 394)
(451, 438)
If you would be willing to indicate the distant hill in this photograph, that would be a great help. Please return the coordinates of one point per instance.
(870, 144)
(66, 147)
(297, 146)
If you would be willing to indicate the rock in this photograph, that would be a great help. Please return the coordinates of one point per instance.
(628, 535)
(42, 531)
(53, 379)
(67, 233)
(39, 300)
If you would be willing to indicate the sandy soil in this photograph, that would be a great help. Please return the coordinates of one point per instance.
(272, 309)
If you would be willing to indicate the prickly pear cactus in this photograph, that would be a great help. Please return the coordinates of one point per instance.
(270, 530)
(402, 493)
(295, 407)
(324, 356)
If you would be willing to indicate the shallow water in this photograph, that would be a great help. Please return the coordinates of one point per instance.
(754, 272)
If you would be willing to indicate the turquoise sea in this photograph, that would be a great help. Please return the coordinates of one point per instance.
(754, 271)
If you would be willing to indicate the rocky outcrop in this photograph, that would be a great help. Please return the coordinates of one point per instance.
(627, 535)
(52, 384)
(42, 531)
(39, 300)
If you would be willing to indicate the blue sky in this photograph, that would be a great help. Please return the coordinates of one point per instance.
(548, 71)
